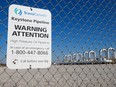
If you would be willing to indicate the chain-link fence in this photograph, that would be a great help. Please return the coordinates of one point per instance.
(83, 45)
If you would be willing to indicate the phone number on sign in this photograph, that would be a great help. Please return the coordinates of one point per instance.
(29, 52)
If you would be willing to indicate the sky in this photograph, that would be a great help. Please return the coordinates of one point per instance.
(77, 25)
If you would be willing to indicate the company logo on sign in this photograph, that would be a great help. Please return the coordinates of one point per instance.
(18, 11)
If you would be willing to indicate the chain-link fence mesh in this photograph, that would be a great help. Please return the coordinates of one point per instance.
(83, 45)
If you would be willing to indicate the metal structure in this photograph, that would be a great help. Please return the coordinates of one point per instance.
(111, 49)
(69, 58)
(107, 51)
(65, 58)
(74, 57)
(92, 53)
(77, 26)
(101, 52)
(80, 57)
(86, 55)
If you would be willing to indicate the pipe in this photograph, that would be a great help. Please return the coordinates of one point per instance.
(92, 52)
(109, 52)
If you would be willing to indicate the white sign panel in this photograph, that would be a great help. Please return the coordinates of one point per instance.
(29, 38)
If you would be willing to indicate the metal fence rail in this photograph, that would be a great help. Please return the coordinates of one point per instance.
(83, 45)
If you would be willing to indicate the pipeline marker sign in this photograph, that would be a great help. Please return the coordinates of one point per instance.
(29, 38)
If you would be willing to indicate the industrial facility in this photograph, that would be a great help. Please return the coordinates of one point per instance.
(90, 57)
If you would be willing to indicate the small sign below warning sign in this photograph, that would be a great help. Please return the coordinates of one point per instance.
(29, 38)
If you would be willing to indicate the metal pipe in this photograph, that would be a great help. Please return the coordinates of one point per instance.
(81, 56)
(74, 58)
(109, 52)
(69, 58)
(102, 50)
(92, 52)
(86, 52)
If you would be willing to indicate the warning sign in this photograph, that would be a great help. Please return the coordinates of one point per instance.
(29, 38)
